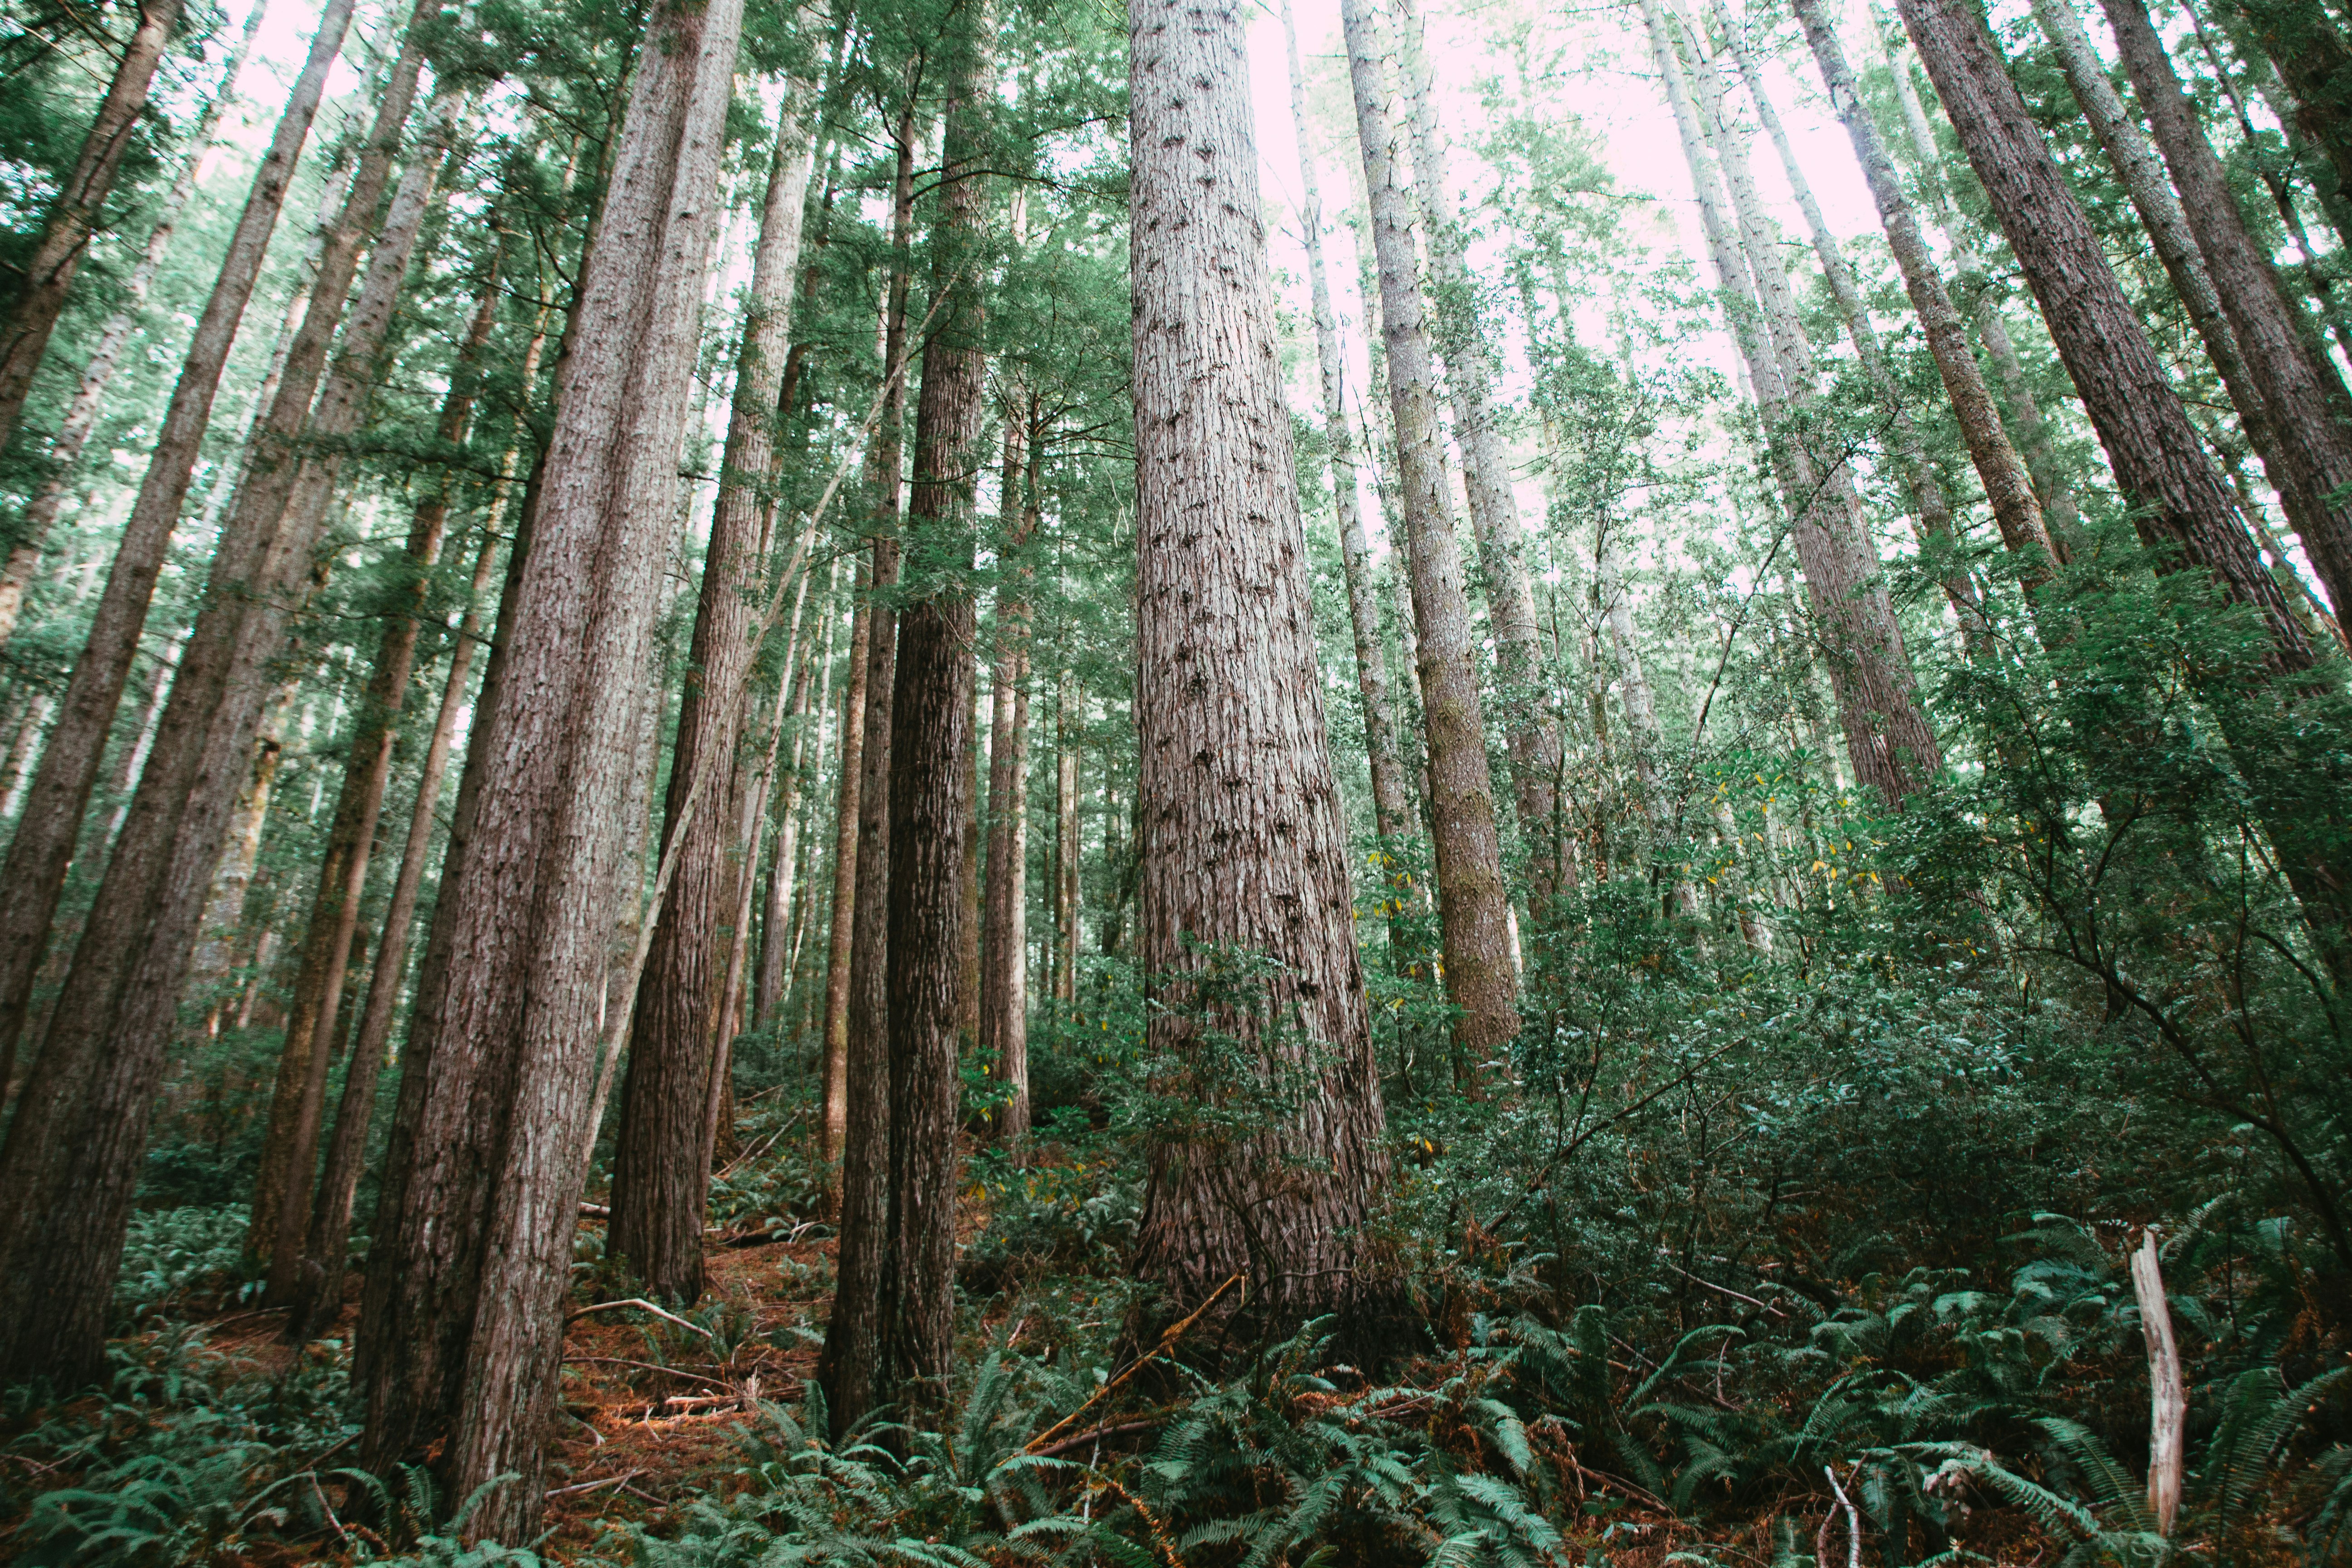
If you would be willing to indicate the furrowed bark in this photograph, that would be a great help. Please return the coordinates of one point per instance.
(1004, 936)
(461, 1317)
(1245, 925)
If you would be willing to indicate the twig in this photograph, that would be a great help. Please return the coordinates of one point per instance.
(643, 1305)
(644, 1365)
(1852, 1524)
(620, 1480)
(1167, 1342)
(1124, 1429)
(1725, 1289)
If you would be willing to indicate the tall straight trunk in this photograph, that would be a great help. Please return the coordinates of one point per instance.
(38, 298)
(2308, 46)
(2304, 400)
(1062, 980)
(462, 1323)
(1243, 851)
(81, 414)
(846, 1366)
(833, 1114)
(2007, 484)
(1391, 800)
(43, 847)
(931, 768)
(2029, 425)
(661, 1163)
(786, 790)
(72, 1164)
(2181, 505)
(1473, 902)
(1887, 739)
(283, 1182)
(1004, 934)
(968, 924)
(221, 923)
(1530, 730)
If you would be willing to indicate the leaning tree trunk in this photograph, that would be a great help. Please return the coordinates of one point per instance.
(39, 294)
(290, 1146)
(2181, 505)
(1887, 738)
(661, 1167)
(462, 1319)
(2304, 405)
(43, 847)
(1005, 922)
(1392, 799)
(1474, 904)
(76, 1148)
(853, 1334)
(1245, 931)
(106, 354)
(2008, 485)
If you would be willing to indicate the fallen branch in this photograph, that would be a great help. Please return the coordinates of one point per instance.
(643, 1365)
(1167, 1342)
(1123, 1430)
(620, 1480)
(644, 1306)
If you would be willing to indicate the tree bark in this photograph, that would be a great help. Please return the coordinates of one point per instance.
(72, 1163)
(1530, 730)
(661, 1162)
(1392, 799)
(1473, 902)
(1063, 982)
(1004, 936)
(2008, 485)
(833, 1087)
(282, 1185)
(2303, 409)
(46, 832)
(39, 296)
(1244, 923)
(461, 1321)
(81, 414)
(848, 1365)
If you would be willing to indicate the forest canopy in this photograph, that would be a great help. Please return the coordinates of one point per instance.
(954, 782)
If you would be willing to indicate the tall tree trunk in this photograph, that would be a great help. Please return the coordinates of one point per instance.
(2181, 505)
(931, 768)
(43, 847)
(833, 1114)
(846, 1366)
(2007, 484)
(1887, 739)
(792, 713)
(1244, 929)
(81, 414)
(462, 1319)
(2302, 399)
(74, 1149)
(1392, 799)
(1530, 730)
(40, 296)
(1062, 983)
(220, 926)
(1473, 902)
(1004, 937)
(661, 1165)
(288, 1152)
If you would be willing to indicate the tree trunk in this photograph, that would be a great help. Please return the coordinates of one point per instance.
(72, 1165)
(1391, 802)
(81, 414)
(847, 1367)
(2007, 484)
(1245, 929)
(834, 1089)
(2181, 504)
(2304, 405)
(1887, 740)
(661, 1162)
(1530, 730)
(1004, 937)
(1472, 899)
(1062, 983)
(43, 847)
(38, 297)
(220, 925)
(282, 1185)
(462, 1322)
